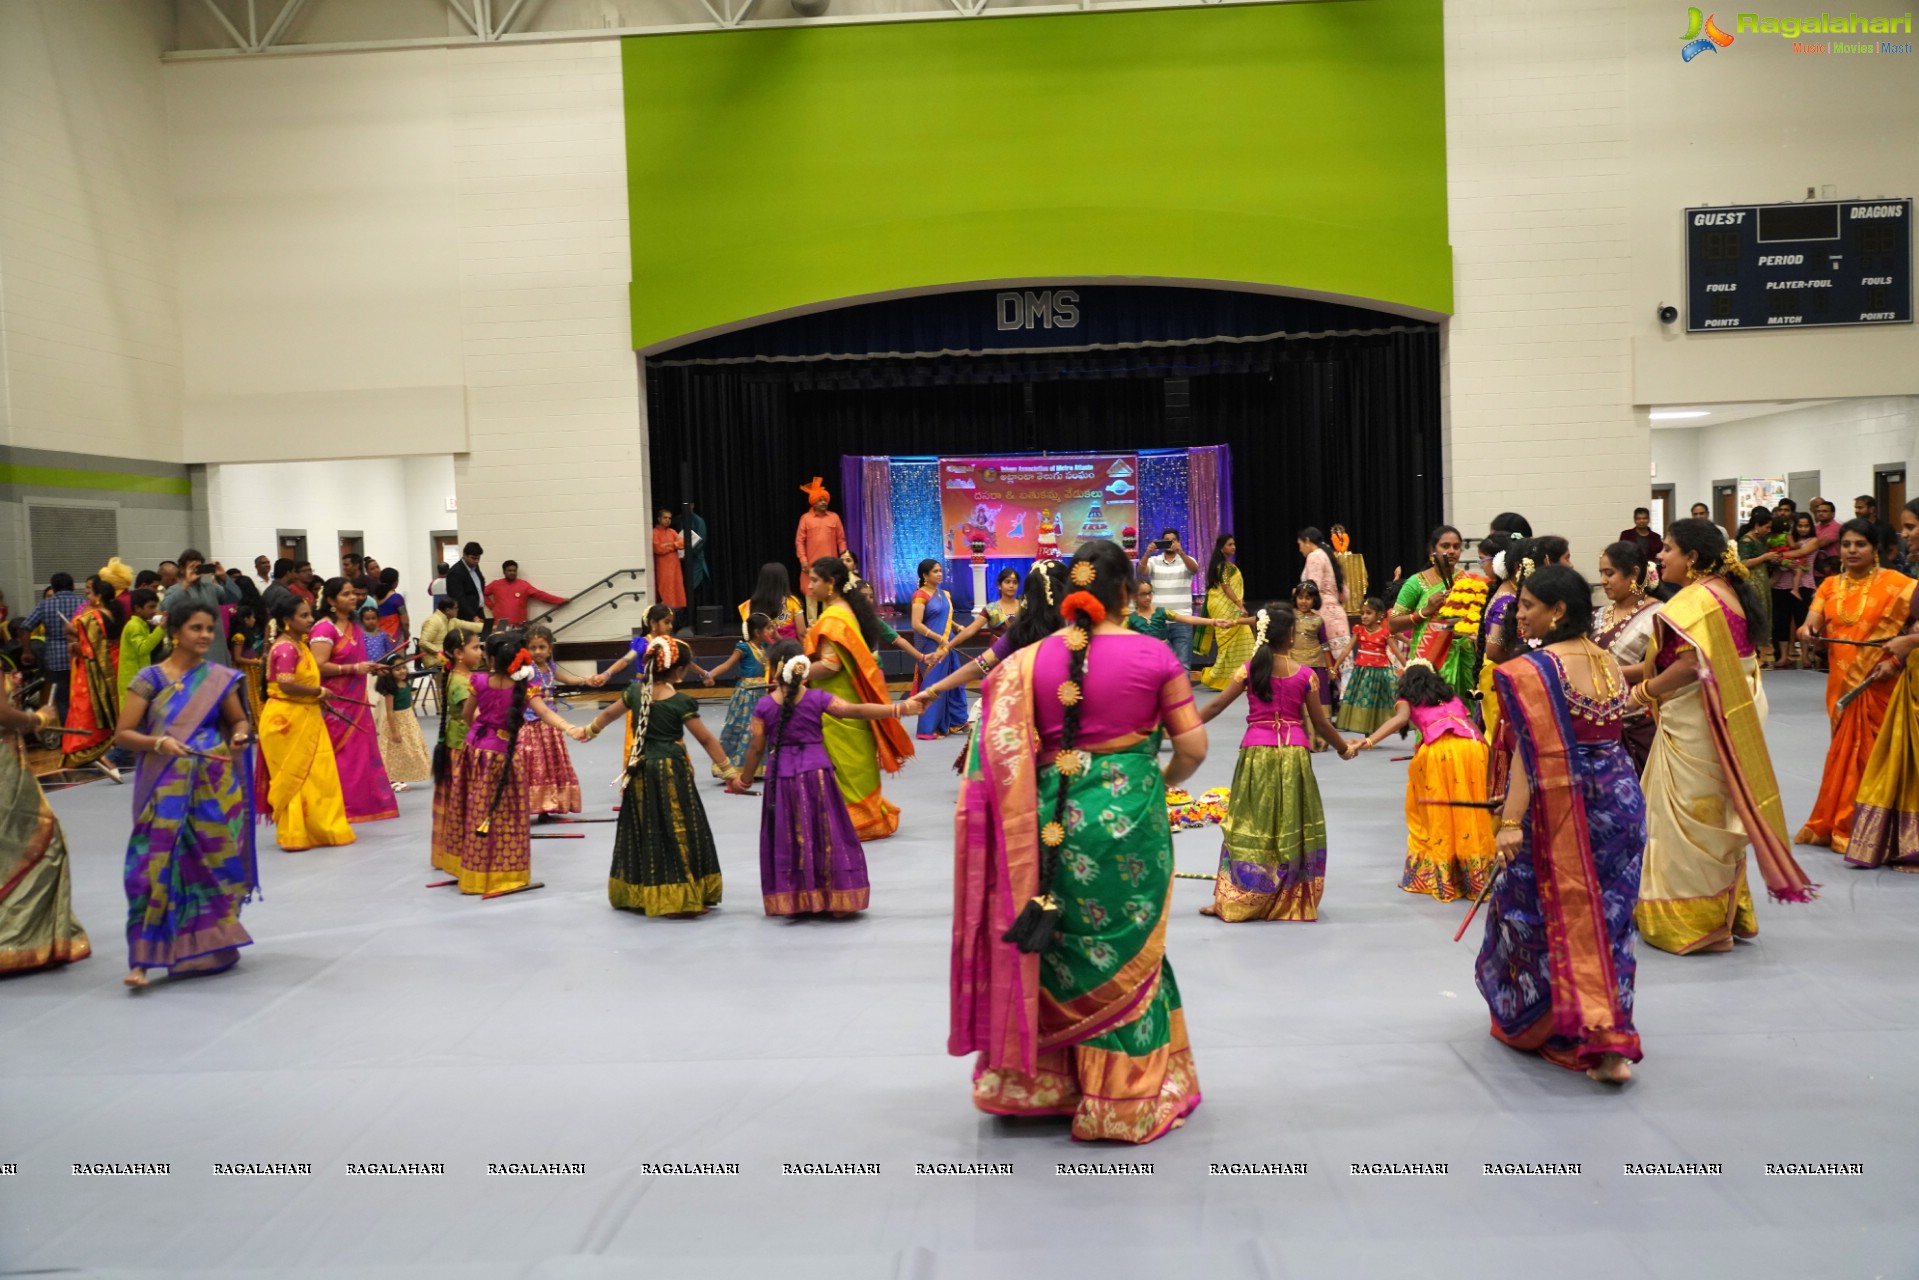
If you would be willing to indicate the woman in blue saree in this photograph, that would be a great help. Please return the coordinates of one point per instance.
(1557, 963)
(190, 861)
(935, 631)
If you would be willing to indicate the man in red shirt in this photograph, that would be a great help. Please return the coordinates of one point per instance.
(1641, 534)
(506, 597)
(820, 534)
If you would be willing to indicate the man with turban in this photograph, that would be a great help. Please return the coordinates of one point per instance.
(819, 536)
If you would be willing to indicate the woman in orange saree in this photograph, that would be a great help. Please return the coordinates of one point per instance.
(1063, 875)
(94, 701)
(1864, 603)
(1709, 784)
(840, 643)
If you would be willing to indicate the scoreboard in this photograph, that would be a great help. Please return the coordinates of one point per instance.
(1778, 266)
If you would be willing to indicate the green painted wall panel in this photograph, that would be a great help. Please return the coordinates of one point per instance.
(1299, 146)
(106, 481)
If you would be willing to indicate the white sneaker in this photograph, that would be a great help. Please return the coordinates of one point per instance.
(107, 768)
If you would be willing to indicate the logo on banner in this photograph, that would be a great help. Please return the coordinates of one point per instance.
(1048, 308)
(1703, 35)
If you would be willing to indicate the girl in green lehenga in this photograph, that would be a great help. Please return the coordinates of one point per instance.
(1072, 1005)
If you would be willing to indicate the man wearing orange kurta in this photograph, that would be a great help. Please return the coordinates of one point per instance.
(820, 534)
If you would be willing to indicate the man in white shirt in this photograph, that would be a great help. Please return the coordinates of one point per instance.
(1171, 571)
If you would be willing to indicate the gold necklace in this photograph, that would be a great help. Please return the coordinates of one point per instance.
(1852, 591)
(1604, 682)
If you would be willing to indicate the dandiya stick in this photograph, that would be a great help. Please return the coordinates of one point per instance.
(440, 884)
(570, 819)
(1195, 875)
(1478, 902)
(556, 835)
(501, 893)
(1397, 759)
(1491, 806)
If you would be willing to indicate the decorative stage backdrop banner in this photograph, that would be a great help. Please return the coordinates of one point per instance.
(1034, 507)
(896, 514)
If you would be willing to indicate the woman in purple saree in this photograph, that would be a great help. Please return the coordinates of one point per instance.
(190, 860)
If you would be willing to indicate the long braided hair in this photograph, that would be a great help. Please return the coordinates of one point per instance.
(1101, 575)
(662, 656)
(504, 649)
(791, 687)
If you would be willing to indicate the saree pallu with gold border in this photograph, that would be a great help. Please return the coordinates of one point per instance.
(1093, 1027)
(190, 861)
(1876, 609)
(37, 926)
(1557, 965)
(1885, 823)
(93, 700)
(861, 749)
(1710, 791)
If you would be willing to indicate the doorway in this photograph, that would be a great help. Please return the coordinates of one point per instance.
(1662, 512)
(1889, 488)
(1725, 505)
(352, 543)
(292, 544)
(446, 544)
(1802, 487)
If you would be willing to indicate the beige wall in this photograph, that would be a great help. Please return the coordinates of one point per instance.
(421, 252)
(1756, 123)
(90, 354)
(1537, 361)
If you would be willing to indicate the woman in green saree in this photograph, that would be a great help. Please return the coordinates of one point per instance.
(840, 643)
(1064, 875)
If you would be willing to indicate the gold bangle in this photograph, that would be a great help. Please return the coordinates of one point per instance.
(1511, 824)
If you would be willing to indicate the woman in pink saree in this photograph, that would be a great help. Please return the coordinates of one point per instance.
(339, 646)
(1064, 875)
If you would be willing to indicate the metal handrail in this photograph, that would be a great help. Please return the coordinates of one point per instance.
(611, 602)
(607, 581)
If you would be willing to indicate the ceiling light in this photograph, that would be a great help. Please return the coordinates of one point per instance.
(1661, 415)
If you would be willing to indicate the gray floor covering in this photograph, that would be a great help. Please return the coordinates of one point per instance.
(376, 1020)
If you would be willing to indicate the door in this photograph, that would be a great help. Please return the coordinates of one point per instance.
(351, 544)
(1889, 487)
(1725, 505)
(1802, 487)
(1661, 504)
(293, 545)
(445, 542)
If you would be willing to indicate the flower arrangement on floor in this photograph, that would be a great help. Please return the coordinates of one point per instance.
(1187, 814)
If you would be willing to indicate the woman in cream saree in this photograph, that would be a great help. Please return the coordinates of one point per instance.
(1709, 783)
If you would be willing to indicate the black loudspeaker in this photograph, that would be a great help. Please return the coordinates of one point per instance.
(706, 621)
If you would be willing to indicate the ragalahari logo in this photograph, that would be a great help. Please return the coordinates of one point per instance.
(1702, 35)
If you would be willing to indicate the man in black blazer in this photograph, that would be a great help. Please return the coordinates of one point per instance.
(466, 584)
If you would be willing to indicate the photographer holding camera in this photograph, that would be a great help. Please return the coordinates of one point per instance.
(205, 582)
(1171, 571)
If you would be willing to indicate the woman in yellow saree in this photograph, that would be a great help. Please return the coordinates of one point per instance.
(1709, 783)
(1867, 605)
(1226, 598)
(1885, 824)
(840, 643)
(302, 780)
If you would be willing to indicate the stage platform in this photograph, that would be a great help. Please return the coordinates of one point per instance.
(379, 1021)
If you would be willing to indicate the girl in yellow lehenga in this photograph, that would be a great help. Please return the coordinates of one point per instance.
(1709, 782)
(840, 643)
(1864, 603)
(1226, 598)
(303, 781)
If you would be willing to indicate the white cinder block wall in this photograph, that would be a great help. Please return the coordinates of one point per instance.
(1537, 363)
(1843, 441)
(89, 330)
(554, 475)
(394, 502)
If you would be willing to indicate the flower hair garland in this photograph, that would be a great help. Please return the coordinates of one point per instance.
(1045, 580)
(1499, 566)
(657, 645)
(795, 667)
(1259, 632)
(521, 668)
(1083, 604)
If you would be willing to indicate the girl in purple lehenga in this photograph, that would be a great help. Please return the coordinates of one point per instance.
(810, 856)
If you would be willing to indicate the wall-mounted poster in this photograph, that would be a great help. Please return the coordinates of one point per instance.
(1767, 492)
(1037, 507)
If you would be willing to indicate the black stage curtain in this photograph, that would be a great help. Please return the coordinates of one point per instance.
(1332, 429)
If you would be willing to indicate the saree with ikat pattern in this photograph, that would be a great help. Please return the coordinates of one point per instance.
(1091, 1028)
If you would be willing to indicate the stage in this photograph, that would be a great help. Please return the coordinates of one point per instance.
(379, 1021)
